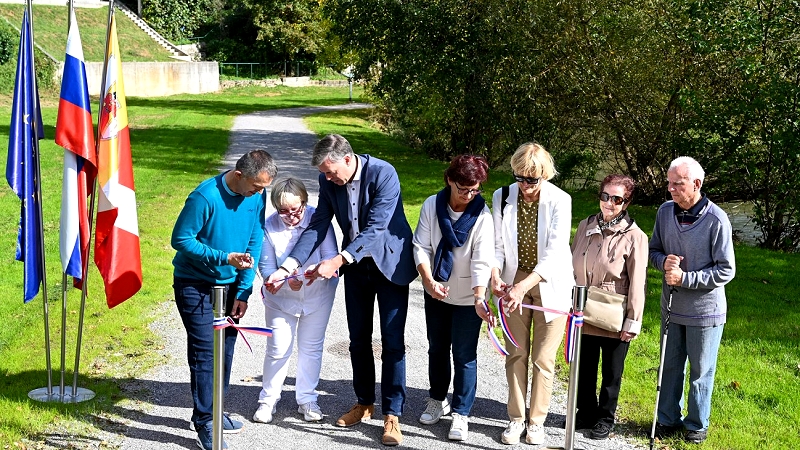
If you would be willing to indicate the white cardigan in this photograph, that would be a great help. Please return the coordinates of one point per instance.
(472, 262)
(554, 255)
(278, 243)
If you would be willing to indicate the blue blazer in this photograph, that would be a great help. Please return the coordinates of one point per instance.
(384, 231)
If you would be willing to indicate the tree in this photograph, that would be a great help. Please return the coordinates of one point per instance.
(177, 19)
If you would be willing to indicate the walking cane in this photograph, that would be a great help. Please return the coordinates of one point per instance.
(661, 367)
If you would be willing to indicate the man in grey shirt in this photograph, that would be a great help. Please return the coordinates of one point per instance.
(692, 244)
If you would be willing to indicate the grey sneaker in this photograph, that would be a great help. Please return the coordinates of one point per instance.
(459, 429)
(310, 411)
(512, 433)
(535, 434)
(434, 411)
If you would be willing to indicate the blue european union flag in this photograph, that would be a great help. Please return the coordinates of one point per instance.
(21, 168)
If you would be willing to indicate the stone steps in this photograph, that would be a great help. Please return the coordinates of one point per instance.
(177, 53)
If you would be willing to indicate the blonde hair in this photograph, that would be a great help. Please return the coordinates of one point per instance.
(286, 187)
(532, 160)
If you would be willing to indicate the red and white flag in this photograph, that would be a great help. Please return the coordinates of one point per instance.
(116, 250)
(75, 132)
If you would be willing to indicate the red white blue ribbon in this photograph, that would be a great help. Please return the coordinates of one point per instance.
(493, 337)
(574, 321)
(225, 322)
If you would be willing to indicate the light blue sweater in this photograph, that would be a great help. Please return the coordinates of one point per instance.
(214, 222)
(708, 264)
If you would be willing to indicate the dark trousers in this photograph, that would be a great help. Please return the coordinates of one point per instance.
(591, 407)
(363, 282)
(457, 328)
(195, 306)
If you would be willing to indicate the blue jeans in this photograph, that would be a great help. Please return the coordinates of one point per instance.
(195, 306)
(700, 346)
(457, 327)
(363, 282)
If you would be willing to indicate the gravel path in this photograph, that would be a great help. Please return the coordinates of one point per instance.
(158, 419)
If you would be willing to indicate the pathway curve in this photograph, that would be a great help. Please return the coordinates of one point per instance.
(159, 418)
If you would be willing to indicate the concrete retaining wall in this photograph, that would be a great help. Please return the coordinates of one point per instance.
(158, 79)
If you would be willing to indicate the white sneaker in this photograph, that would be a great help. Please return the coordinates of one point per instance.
(459, 429)
(535, 434)
(264, 413)
(434, 411)
(512, 433)
(310, 411)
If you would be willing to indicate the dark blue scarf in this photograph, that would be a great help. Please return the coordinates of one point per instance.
(453, 234)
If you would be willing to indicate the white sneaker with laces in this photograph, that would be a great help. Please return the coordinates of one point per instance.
(310, 411)
(512, 433)
(264, 413)
(459, 429)
(434, 411)
(535, 434)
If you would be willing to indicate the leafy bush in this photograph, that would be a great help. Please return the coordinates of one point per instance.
(6, 44)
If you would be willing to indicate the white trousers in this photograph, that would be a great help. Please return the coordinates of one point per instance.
(310, 332)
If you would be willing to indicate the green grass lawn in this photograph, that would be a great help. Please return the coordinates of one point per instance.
(178, 141)
(50, 32)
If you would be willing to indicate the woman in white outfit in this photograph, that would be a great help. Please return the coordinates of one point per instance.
(298, 311)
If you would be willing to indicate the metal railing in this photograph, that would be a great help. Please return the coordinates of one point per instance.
(258, 71)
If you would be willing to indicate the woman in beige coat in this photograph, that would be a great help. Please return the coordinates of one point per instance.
(609, 251)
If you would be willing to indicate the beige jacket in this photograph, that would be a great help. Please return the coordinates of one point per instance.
(616, 260)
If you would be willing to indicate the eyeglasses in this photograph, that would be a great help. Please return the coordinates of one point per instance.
(465, 191)
(287, 213)
(615, 199)
(530, 180)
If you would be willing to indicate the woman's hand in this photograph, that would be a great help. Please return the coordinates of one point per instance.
(499, 287)
(625, 336)
(483, 311)
(295, 284)
(513, 298)
(435, 289)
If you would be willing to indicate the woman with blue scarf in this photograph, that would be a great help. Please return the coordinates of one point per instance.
(454, 252)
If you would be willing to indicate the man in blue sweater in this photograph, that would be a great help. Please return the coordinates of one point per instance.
(218, 238)
(692, 244)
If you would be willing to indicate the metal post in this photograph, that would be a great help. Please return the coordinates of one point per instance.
(578, 302)
(350, 82)
(219, 368)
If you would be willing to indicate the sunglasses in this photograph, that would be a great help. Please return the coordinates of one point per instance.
(465, 191)
(615, 199)
(287, 213)
(529, 180)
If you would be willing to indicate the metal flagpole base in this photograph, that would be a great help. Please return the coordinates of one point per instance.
(41, 395)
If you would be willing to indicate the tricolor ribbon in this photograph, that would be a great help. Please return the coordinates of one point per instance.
(225, 322)
(574, 321)
(493, 337)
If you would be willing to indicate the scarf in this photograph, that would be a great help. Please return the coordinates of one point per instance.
(453, 234)
(603, 224)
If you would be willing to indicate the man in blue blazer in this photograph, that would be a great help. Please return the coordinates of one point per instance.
(363, 194)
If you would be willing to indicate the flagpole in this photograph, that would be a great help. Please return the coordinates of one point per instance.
(92, 196)
(38, 193)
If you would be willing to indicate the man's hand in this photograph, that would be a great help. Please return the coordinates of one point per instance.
(276, 280)
(326, 269)
(239, 308)
(513, 298)
(673, 274)
(240, 260)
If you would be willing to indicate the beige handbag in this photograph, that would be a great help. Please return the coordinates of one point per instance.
(603, 309)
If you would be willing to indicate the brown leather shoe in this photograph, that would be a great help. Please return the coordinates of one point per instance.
(356, 414)
(391, 431)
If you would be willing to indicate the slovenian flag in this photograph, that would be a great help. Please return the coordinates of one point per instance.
(75, 133)
(116, 247)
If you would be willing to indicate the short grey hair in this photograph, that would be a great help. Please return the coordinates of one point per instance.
(332, 147)
(694, 169)
(255, 162)
(285, 187)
